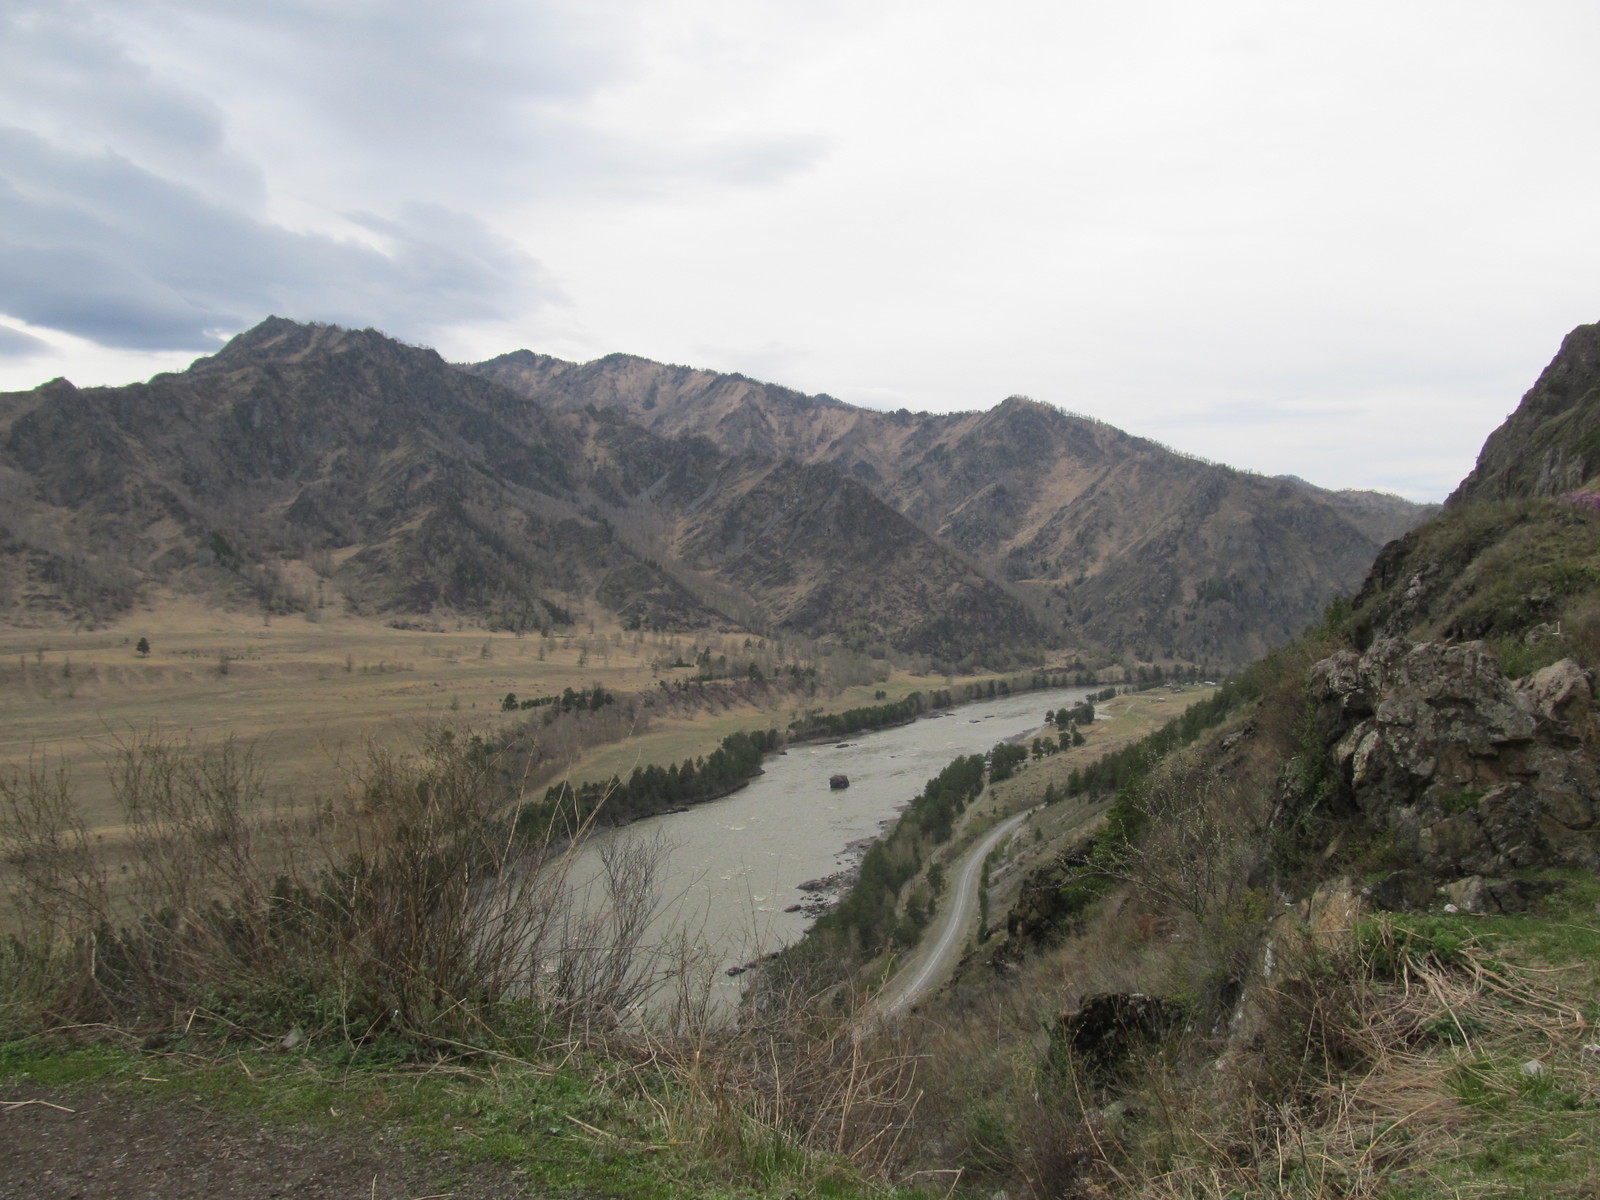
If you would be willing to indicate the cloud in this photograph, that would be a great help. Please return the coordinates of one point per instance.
(16, 344)
(96, 246)
(1185, 219)
(476, 104)
(67, 79)
(171, 170)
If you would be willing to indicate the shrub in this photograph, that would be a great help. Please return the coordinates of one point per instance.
(416, 913)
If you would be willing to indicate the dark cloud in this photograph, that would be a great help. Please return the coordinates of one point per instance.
(467, 103)
(95, 245)
(65, 78)
(16, 344)
(136, 141)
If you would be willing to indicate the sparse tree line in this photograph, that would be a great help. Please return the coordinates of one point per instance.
(868, 920)
(590, 699)
(822, 726)
(1112, 772)
(1122, 775)
(874, 915)
(649, 790)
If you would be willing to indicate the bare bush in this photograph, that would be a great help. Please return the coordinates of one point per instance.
(797, 1076)
(414, 910)
(59, 892)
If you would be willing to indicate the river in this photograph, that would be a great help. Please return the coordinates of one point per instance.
(732, 867)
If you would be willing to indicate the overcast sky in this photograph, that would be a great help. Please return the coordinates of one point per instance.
(1338, 241)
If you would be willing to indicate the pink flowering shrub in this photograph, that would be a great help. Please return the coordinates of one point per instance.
(1587, 500)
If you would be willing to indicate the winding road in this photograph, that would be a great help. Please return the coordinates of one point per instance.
(933, 956)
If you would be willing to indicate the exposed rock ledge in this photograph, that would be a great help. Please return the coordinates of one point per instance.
(1475, 773)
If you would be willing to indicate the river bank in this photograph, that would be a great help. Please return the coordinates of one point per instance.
(734, 871)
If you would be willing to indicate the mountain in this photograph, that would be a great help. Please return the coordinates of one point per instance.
(1551, 443)
(1355, 870)
(302, 459)
(1508, 554)
(1111, 539)
(306, 462)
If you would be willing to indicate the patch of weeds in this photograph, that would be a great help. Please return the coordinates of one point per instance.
(554, 1126)
(1378, 853)
(1562, 930)
(1453, 1029)
(989, 1135)
(1453, 804)
(1394, 942)
(1538, 1087)
(1519, 659)
(549, 1124)
(36, 1062)
(1474, 1083)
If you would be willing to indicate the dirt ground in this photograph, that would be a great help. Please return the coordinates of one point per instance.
(93, 1145)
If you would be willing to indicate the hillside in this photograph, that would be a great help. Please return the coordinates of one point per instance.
(1334, 933)
(1551, 443)
(1111, 539)
(305, 465)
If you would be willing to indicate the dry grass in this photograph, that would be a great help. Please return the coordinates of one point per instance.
(311, 697)
(1380, 1071)
(789, 1082)
(409, 909)
(1355, 1078)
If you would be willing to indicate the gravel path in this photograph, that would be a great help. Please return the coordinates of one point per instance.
(936, 954)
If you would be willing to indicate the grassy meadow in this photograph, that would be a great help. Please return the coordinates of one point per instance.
(310, 699)
(308, 695)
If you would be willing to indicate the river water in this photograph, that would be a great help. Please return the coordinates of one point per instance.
(733, 866)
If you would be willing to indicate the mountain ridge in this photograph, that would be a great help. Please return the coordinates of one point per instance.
(520, 490)
(1067, 509)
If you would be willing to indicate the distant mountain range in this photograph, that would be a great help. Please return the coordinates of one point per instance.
(305, 460)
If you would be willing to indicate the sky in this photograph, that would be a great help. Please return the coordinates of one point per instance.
(1335, 241)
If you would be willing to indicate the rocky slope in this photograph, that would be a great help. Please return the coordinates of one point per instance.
(1451, 711)
(1320, 917)
(1110, 538)
(1551, 443)
(308, 458)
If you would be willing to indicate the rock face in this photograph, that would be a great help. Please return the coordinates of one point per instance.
(1043, 906)
(1113, 540)
(1107, 1030)
(1551, 444)
(1476, 773)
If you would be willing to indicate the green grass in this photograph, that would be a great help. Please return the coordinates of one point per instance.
(1521, 1134)
(552, 1126)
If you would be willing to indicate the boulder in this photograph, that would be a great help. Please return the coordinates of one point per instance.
(1403, 891)
(1562, 697)
(1108, 1029)
(1477, 773)
(1476, 894)
(1470, 895)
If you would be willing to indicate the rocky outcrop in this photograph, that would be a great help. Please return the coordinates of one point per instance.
(1106, 1031)
(1551, 443)
(1045, 905)
(1474, 773)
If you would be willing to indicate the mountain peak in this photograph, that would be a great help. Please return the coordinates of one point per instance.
(1551, 443)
